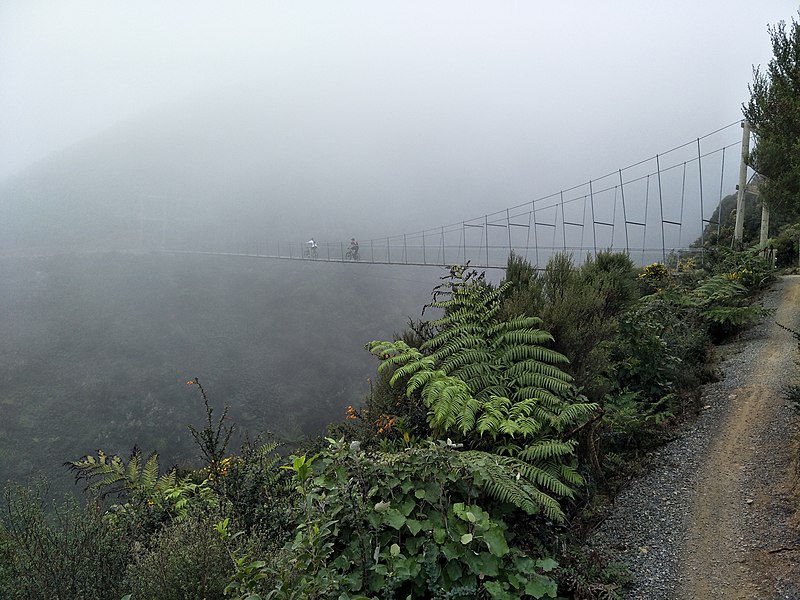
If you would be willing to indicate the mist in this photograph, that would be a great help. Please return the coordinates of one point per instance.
(353, 119)
(130, 128)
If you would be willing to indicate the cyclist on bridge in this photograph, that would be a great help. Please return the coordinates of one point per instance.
(311, 251)
(352, 252)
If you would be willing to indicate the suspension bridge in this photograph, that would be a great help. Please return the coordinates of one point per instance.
(651, 209)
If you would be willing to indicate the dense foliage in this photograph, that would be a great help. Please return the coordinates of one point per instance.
(484, 446)
(473, 468)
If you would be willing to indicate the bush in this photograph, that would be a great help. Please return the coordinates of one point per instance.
(749, 267)
(67, 553)
(785, 245)
(404, 525)
(579, 307)
(654, 277)
(256, 490)
(387, 418)
(185, 560)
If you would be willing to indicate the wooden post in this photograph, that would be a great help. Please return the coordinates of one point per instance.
(764, 225)
(739, 228)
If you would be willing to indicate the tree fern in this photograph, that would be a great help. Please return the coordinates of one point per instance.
(495, 386)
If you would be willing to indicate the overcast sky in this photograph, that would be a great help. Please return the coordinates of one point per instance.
(554, 92)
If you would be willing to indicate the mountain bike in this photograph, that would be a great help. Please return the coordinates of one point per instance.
(351, 254)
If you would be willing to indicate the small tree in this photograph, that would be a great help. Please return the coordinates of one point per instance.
(774, 115)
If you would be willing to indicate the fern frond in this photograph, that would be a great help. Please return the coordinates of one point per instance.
(419, 380)
(547, 478)
(150, 472)
(522, 409)
(546, 450)
(489, 387)
(493, 413)
(466, 419)
(519, 323)
(570, 475)
(465, 358)
(502, 415)
(573, 414)
(465, 342)
(504, 478)
(532, 365)
(113, 475)
(545, 397)
(446, 397)
(733, 315)
(450, 328)
(388, 350)
(716, 289)
(419, 365)
(132, 473)
(167, 480)
(546, 382)
(474, 371)
(527, 337)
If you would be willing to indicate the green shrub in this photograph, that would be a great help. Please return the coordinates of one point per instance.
(256, 490)
(184, 560)
(654, 277)
(60, 552)
(750, 267)
(386, 419)
(403, 525)
(633, 424)
(785, 245)
(579, 307)
(589, 575)
(663, 347)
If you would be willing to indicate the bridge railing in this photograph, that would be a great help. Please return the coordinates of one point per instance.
(649, 209)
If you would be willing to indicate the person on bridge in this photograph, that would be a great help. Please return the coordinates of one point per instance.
(353, 250)
(311, 251)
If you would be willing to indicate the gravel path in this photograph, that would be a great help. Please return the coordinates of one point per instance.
(714, 518)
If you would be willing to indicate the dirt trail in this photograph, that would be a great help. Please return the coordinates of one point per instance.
(742, 539)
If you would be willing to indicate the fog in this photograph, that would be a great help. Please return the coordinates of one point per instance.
(133, 126)
(347, 118)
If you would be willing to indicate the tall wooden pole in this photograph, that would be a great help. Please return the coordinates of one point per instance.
(739, 228)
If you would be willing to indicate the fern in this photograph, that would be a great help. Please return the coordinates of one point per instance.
(717, 289)
(113, 476)
(483, 378)
(269, 460)
(722, 301)
(179, 497)
(510, 480)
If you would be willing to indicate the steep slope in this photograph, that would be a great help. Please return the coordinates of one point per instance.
(96, 349)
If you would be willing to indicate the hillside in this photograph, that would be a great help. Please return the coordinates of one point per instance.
(97, 348)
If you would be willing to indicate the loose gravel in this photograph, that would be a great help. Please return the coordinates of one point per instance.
(653, 525)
